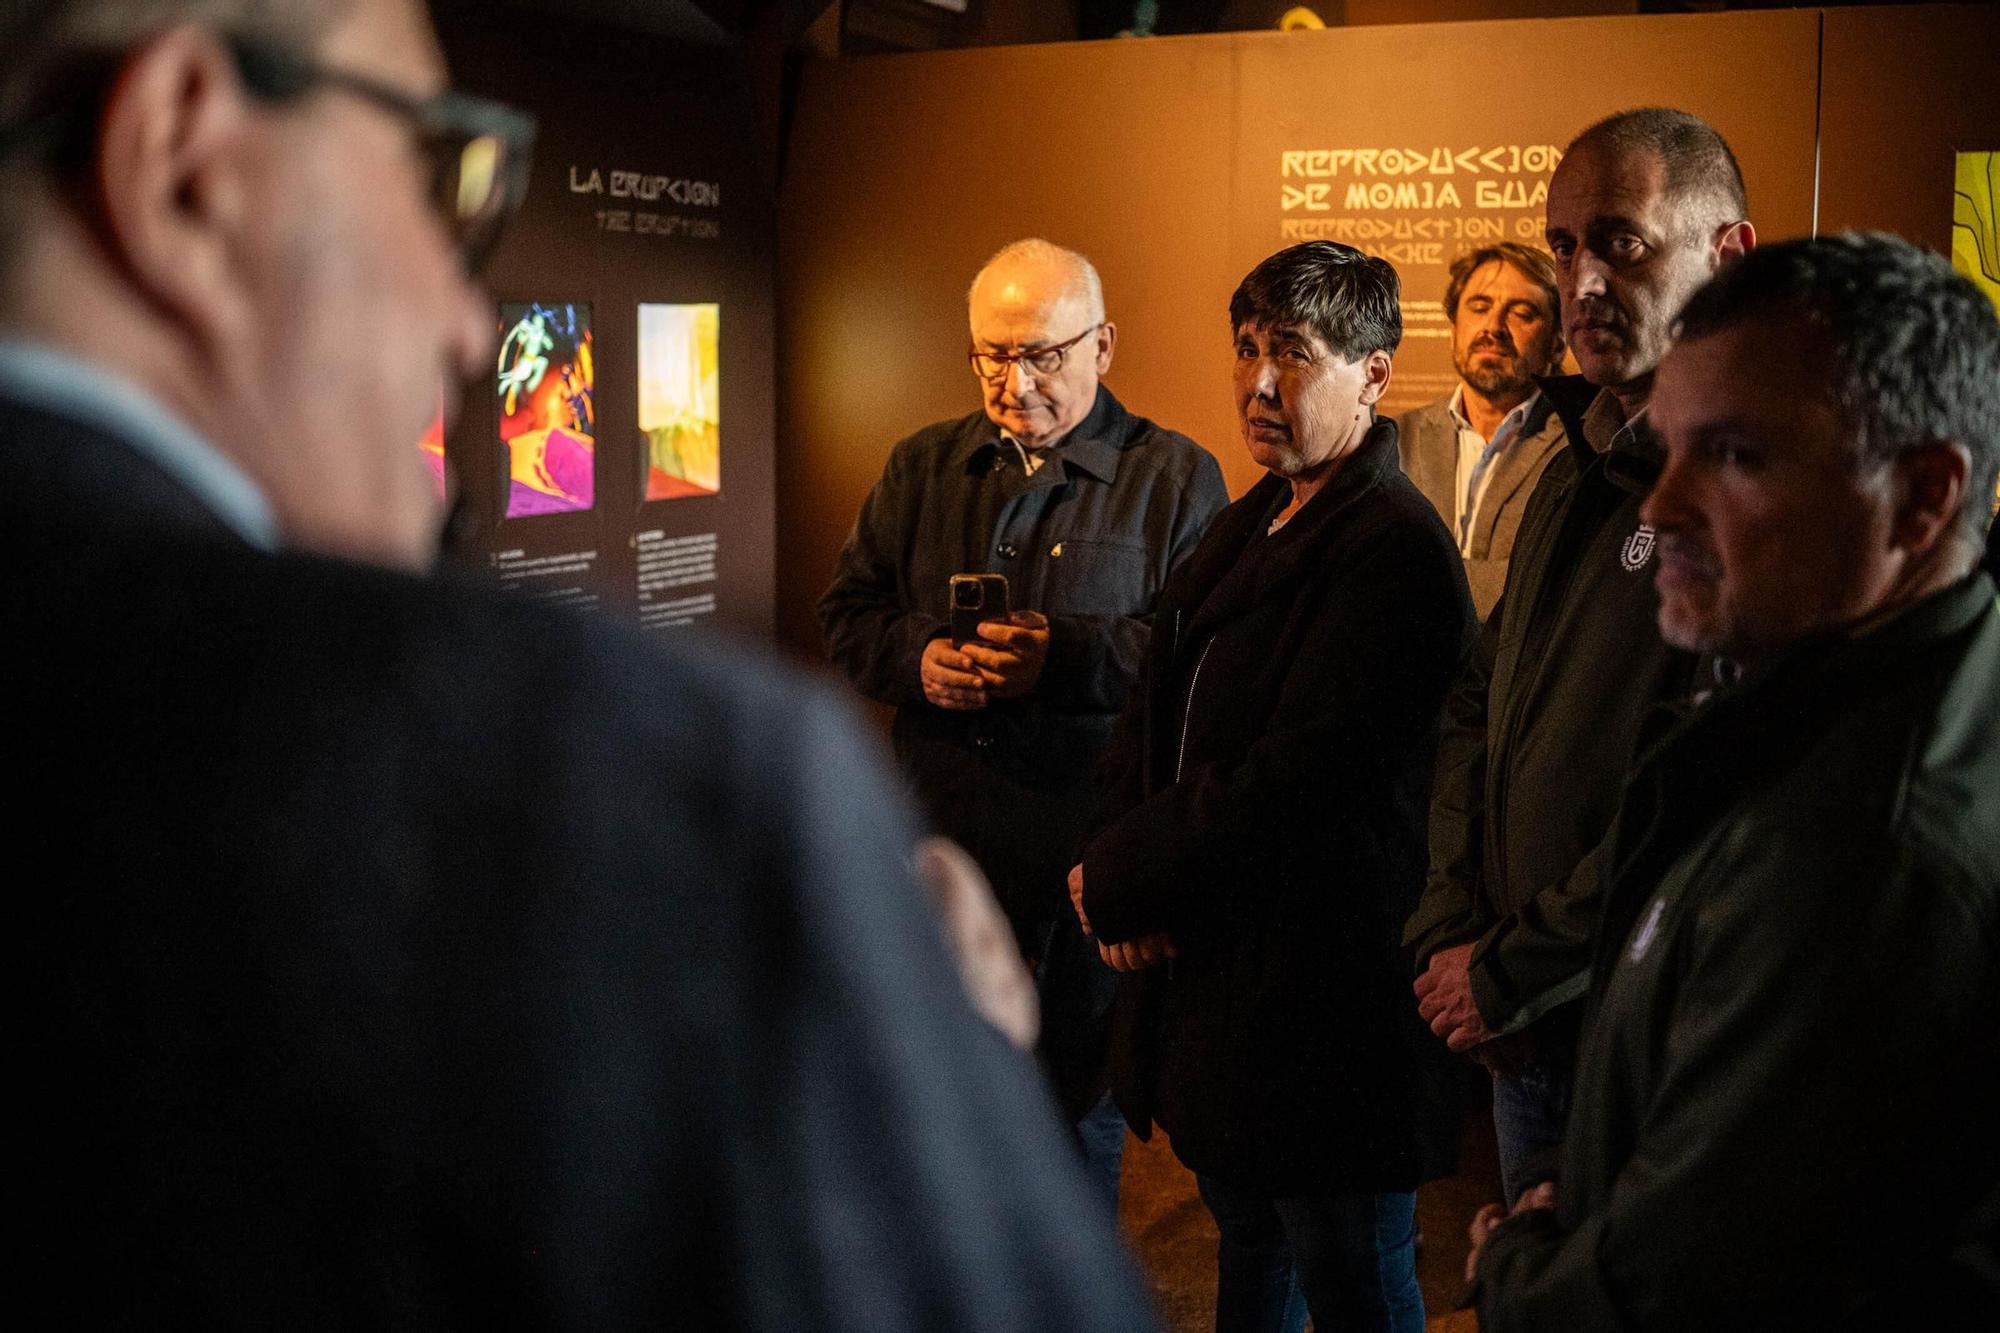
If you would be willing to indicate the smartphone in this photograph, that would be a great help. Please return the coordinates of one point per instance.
(975, 597)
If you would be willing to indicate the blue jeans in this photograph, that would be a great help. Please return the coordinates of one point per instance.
(1350, 1259)
(1101, 1133)
(1530, 1108)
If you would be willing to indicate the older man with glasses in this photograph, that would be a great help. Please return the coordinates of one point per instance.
(398, 953)
(1084, 509)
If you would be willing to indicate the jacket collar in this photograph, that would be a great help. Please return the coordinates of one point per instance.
(1093, 446)
(1633, 460)
(111, 407)
(88, 477)
(1571, 397)
(1839, 660)
(1762, 717)
(1688, 781)
(1538, 416)
(1539, 409)
(1239, 566)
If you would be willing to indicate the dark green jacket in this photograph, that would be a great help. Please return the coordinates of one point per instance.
(1542, 729)
(1787, 1100)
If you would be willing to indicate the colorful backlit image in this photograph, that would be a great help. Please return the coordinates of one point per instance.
(1975, 230)
(432, 444)
(679, 407)
(1975, 221)
(546, 384)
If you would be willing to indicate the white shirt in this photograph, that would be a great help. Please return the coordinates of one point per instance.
(1476, 455)
(1031, 459)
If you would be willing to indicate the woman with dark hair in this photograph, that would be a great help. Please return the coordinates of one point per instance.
(1262, 836)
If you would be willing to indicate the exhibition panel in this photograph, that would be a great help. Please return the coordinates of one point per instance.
(1405, 156)
(633, 330)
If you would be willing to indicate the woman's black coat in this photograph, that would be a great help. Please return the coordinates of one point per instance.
(1265, 806)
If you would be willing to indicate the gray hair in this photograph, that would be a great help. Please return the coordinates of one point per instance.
(44, 37)
(1081, 273)
(61, 52)
(1916, 347)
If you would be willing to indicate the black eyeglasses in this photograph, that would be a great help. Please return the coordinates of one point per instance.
(1043, 361)
(479, 151)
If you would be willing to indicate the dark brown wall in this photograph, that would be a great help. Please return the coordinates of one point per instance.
(1458, 11)
(1161, 160)
(1903, 90)
(906, 172)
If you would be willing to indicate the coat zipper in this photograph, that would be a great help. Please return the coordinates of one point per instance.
(1187, 715)
(1187, 721)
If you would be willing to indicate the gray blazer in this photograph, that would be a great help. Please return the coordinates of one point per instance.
(1427, 443)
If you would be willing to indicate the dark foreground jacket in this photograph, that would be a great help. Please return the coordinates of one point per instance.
(1786, 1104)
(1542, 729)
(1266, 809)
(403, 955)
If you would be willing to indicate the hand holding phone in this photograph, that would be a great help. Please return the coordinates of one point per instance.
(949, 679)
(1010, 653)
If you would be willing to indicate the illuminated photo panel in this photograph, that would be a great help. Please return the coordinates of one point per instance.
(1975, 229)
(679, 404)
(432, 445)
(1975, 221)
(546, 384)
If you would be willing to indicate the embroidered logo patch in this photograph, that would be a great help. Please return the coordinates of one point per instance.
(1638, 549)
(1642, 939)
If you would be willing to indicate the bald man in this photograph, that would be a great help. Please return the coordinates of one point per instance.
(1085, 508)
(1645, 206)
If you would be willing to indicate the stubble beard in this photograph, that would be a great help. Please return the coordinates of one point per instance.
(1494, 381)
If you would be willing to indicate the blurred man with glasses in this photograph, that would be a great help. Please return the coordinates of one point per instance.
(1085, 508)
(398, 953)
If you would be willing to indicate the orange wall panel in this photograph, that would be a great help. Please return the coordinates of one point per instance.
(1166, 161)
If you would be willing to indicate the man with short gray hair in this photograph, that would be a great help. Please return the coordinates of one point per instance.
(1084, 508)
(1785, 1101)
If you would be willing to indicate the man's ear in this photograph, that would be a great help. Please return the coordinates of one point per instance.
(170, 177)
(1107, 343)
(1377, 371)
(1733, 240)
(1930, 494)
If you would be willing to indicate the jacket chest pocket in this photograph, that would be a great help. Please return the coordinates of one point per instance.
(1097, 578)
